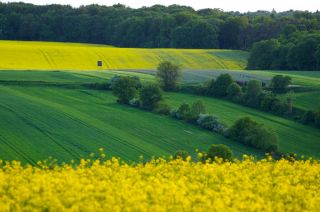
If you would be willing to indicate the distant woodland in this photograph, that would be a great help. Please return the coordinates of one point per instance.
(286, 40)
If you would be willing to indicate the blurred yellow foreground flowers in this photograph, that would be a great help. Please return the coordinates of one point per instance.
(161, 185)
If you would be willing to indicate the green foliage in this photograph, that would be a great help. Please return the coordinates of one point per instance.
(209, 87)
(317, 55)
(210, 122)
(221, 84)
(219, 151)
(125, 88)
(271, 103)
(317, 118)
(308, 117)
(234, 90)
(294, 50)
(181, 154)
(134, 102)
(168, 74)
(183, 111)
(163, 108)
(304, 54)
(253, 93)
(150, 96)
(197, 108)
(152, 27)
(188, 35)
(249, 132)
(262, 54)
(280, 83)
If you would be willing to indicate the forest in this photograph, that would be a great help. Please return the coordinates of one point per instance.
(150, 27)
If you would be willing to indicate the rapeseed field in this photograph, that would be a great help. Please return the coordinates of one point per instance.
(161, 185)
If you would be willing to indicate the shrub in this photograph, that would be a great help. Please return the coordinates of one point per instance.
(249, 132)
(219, 151)
(134, 102)
(262, 138)
(181, 154)
(197, 108)
(210, 122)
(150, 96)
(163, 109)
(280, 83)
(253, 94)
(173, 113)
(183, 111)
(125, 88)
(234, 90)
(317, 118)
(209, 87)
(271, 103)
(221, 84)
(168, 74)
(309, 117)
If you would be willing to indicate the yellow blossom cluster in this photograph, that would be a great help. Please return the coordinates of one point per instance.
(161, 185)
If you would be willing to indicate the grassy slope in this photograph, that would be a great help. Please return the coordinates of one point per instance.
(81, 120)
(304, 100)
(17, 55)
(37, 122)
(293, 137)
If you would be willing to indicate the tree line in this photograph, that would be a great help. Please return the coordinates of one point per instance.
(293, 50)
(157, 26)
(130, 91)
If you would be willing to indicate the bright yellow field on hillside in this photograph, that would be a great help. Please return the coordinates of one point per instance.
(17, 55)
(162, 186)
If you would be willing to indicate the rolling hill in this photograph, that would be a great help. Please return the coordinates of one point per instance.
(38, 122)
(19, 55)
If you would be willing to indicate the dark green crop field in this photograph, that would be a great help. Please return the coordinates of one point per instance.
(293, 137)
(41, 116)
(65, 123)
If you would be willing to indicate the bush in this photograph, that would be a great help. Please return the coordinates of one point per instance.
(309, 117)
(264, 139)
(163, 109)
(253, 94)
(234, 90)
(271, 103)
(183, 111)
(150, 96)
(219, 151)
(210, 122)
(249, 132)
(221, 84)
(181, 154)
(125, 88)
(197, 108)
(317, 118)
(280, 83)
(168, 74)
(134, 102)
(209, 87)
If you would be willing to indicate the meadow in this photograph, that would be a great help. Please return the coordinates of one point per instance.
(18, 55)
(38, 122)
(50, 113)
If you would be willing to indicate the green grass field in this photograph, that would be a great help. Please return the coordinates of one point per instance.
(69, 123)
(38, 122)
(18, 55)
(305, 100)
(293, 137)
(42, 116)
